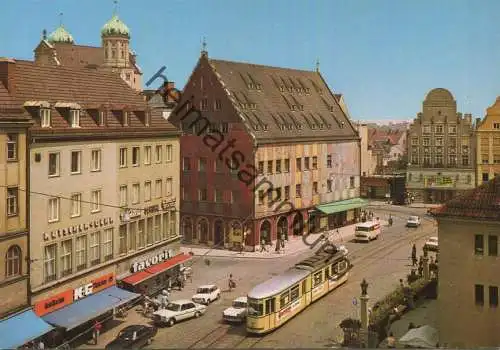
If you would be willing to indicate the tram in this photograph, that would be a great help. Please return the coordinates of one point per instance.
(276, 301)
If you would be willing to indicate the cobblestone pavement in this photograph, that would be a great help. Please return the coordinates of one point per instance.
(317, 326)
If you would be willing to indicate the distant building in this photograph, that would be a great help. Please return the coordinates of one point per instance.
(367, 159)
(441, 150)
(468, 305)
(114, 55)
(388, 148)
(488, 145)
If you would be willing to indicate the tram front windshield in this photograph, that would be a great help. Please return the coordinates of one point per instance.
(255, 308)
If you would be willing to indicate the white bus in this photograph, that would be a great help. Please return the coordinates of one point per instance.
(366, 231)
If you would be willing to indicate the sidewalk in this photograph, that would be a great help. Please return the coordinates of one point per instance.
(295, 245)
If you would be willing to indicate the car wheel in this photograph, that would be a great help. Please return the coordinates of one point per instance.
(197, 314)
(171, 322)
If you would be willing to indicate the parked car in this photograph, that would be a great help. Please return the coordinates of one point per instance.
(237, 312)
(133, 337)
(177, 311)
(206, 294)
(432, 244)
(413, 221)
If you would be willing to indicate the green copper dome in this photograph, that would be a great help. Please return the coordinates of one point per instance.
(60, 35)
(115, 27)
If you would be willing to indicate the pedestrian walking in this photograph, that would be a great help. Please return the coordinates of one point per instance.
(414, 255)
(97, 330)
(231, 283)
(263, 245)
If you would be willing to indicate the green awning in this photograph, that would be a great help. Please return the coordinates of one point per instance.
(339, 206)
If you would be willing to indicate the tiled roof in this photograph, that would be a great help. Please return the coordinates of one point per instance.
(280, 103)
(483, 202)
(10, 111)
(79, 55)
(89, 88)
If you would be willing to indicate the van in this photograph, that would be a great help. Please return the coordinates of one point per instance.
(366, 231)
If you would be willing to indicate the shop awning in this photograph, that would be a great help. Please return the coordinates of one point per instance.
(21, 328)
(141, 276)
(90, 307)
(340, 206)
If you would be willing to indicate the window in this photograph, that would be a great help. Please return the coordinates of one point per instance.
(218, 105)
(298, 191)
(53, 209)
(147, 191)
(186, 165)
(76, 162)
(158, 188)
(12, 201)
(147, 155)
(261, 197)
(317, 278)
(496, 125)
(122, 236)
(53, 164)
(95, 197)
(168, 185)
(107, 244)
(95, 160)
(218, 165)
(123, 196)
(157, 227)
(306, 163)
(465, 159)
(294, 293)
(315, 163)
(492, 245)
(81, 253)
(202, 194)
(485, 158)
(172, 223)
(426, 141)
(479, 294)
(66, 261)
(204, 104)
(136, 151)
(452, 129)
(45, 117)
(284, 299)
(140, 233)
(439, 129)
(166, 226)
(169, 153)
(269, 166)
(13, 261)
(11, 147)
(185, 193)
(352, 181)
(329, 161)
(479, 244)
(493, 296)
(218, 196)
(76, 205)
(75, 118)
(132, 236)
(95, 257)
(486, 177)
(202, 164)
(315, 188)
(329, 184)
(278, 166)
(287, 165)
(149, 231)
(287, 192)
(298, 164)
(261, 168)
(158, 153)
(50, 263)
(123, 157)
(135, 193)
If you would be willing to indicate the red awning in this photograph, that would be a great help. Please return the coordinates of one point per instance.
(140, 276)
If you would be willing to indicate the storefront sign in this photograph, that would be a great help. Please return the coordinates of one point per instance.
(128, 214)
(156, 259)
(152, 209)
(77, 228)
(168, 204)
(67, 297)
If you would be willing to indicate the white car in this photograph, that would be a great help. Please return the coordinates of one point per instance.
(432, 244)
(237, 312)
(413, 221)
(177, 311)
(206, 294)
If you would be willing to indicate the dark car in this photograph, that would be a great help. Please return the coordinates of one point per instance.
(133, 337)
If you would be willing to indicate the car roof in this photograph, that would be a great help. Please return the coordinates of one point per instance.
(413, 217)
(367, 224)
(207, 286)
(181, 301)
(433, 238)
(241, 299)
(132, 328)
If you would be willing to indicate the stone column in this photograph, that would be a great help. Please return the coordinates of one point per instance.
(364, 298)
(426, 265)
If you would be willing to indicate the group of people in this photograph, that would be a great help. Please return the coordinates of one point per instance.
(433, 264)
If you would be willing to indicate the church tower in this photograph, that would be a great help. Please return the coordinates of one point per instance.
(115, 37)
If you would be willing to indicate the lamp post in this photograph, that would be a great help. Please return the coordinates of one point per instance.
(364, 298)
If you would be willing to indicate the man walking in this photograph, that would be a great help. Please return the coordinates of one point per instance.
(97, 330)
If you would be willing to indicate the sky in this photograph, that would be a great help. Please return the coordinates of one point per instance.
(384, 56)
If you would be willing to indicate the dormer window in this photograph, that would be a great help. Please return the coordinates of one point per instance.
(125, 118)
(101, 118)
(282, 88)
(75, 118)
(45, 117)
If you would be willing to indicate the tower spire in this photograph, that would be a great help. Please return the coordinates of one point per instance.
(115, 9)
(204, 47)
(60, 19)
(317, 65)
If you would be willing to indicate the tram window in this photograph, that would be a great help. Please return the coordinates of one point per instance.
(284, 299)
(318, 278)
(255, 308)
(303, 287)
(270, 306)
(342, 266)
(294, 294)
(327, 272)
(335, 269)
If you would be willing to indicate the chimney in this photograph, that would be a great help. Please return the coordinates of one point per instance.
(7, 67)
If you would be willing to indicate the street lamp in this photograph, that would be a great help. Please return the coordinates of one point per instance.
(364, 287)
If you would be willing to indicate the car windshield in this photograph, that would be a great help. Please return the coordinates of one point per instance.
(413, 218)
(173, 307)
(239, 304)
(126, 335)
(433, 239)
(203, 291)
(362, 228)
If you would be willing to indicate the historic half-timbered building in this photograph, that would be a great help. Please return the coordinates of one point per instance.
(264, 151)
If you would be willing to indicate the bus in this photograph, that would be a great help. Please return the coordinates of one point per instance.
(366, 231)
(274, 302)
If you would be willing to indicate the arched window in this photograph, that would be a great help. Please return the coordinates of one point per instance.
(13, 261)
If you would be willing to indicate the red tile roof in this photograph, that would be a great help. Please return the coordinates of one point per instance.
(482, 202)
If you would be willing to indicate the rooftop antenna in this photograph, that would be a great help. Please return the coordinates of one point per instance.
(317, 65)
